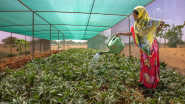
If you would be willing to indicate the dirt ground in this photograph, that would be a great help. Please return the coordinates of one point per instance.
(18, 61)
(173, 57)
(14, 50)
(68, 47)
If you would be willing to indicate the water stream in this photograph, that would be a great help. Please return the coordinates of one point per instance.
(94, 60)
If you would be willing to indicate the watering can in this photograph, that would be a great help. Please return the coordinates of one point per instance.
(115, 45)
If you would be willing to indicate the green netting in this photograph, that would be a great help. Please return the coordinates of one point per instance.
(5, 23)
(90, 28)
(17, 18)
(105, 20)
(70, 28)
(15, 29)
(122, 7)
(76, 19)
(91, 33)
(60, 5)
(20, 18)
(65, 18)
(73, 32)
(8, 5)
(100, 41)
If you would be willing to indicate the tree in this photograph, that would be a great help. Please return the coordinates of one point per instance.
(165, 28)
(160, 34)
(172, 36)
(21, 42)
(53, 42)
(9, 40)
(61, 42)
(179, 29)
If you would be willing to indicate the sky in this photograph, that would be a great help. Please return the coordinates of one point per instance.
(171, 11)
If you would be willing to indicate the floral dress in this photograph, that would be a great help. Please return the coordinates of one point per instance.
(149, 65)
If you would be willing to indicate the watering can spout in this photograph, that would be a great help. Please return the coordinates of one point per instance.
(100, 53)
(105, 52)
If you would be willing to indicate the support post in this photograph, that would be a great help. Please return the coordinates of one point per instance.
(25, 45)
(129, 37)
(69, 43)
(40, 45)
(63, 42)
(50, 40)
(11, 44)
(58, 41)
(45, 45)
(33, 43)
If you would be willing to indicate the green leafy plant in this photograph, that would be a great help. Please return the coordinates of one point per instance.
(179, 29)
(68, 78)
(19, 43)
(6, 54)
(163, 64)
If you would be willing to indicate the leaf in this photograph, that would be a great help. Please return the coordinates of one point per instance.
(23, 87)
(14, 100)
(66, 77)
(59, 94)
(52, 91)
(36, 96)
(17, 49)
(40, 93)
(60, 100)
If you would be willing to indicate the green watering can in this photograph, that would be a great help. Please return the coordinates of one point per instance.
(115, 45)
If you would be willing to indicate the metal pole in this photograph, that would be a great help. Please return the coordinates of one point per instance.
(129, 37)
(102, 47)
(58, 40)
(63, 42)
(111, 31)
(33, 43)
(69, 43)
(50, 40)
(25, 45)
(40, 45)
(45, 45)
(11, 44)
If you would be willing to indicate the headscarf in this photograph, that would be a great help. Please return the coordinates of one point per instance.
(145, 30)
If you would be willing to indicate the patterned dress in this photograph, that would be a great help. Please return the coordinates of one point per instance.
(149, 66)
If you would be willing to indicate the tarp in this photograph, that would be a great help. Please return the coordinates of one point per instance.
(76, 19)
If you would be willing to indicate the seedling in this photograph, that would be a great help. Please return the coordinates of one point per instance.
(19, 43)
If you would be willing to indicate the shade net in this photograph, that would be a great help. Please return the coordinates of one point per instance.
(75, 19)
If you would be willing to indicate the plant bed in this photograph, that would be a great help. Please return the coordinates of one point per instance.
(6, 54)
(68, 77)
(19, 61)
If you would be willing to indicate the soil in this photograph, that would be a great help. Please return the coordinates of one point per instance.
(173, 57)
(17, 62)
(55, 47)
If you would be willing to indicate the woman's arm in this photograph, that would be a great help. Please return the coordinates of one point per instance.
(160, 27)
(125, 34)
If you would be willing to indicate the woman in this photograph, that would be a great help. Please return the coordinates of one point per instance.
(144, 34)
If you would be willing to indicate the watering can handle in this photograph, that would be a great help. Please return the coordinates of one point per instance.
(111, 39)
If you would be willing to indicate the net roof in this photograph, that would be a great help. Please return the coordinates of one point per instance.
(75, 19)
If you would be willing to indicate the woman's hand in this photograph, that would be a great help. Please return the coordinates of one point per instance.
(117, 34)
(160, 27)
(162, 23)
